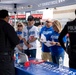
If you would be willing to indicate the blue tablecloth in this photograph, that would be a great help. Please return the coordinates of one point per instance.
(46, 68)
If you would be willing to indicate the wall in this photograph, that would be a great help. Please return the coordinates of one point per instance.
(65, 12)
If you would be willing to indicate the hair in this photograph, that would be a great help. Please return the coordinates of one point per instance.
(20, 23)
(58, 25)
(3, 14)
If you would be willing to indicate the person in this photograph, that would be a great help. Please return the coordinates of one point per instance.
(8, 40)
(56, 50)
(46, 31)
(30, 34)
(19, 32)
(70, 28)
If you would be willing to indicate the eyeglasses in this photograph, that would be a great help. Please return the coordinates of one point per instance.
(30, 20)
(19, 26)
(48, 21)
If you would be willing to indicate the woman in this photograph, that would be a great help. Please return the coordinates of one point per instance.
(19, 32)
(56, 50)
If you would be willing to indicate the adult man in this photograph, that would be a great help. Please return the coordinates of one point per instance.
(70, 28)
(30, 36)
(8, 40)
(46, 31)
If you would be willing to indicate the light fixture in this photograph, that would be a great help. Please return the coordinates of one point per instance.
(29, 6)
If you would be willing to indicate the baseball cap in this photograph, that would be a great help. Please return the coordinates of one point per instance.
(30, 18)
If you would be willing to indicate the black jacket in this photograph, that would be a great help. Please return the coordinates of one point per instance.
(69, 28)
(8, 37)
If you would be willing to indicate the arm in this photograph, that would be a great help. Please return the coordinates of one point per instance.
(58, 43)
(19, 47)
(20, 37)
(62, 34)
(11, 35)
(25, 42)
(55, 43)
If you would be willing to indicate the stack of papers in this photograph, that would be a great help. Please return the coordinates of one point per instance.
(47, 43)
(43, 40)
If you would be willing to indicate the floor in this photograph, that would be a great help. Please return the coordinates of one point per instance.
(38, 55)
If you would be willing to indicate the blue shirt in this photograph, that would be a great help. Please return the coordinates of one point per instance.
(46, 32)
(56, 50)
(19, 33)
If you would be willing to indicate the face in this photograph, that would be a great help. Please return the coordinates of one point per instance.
(7, 19)
(48, 23)
(55, 28)
(19, 27)
(30, 22)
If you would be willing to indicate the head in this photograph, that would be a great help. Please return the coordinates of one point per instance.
(57, 26)
(20, 26)
(48, 23)
(4, 15)
(30, 20)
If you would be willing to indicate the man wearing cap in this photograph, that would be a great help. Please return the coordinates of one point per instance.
(8, 40)
(46, 31)
(30, 34)
(70, 28)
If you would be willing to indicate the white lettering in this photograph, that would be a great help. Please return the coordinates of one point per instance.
(50, 3)
(54, 37)
(47, 32)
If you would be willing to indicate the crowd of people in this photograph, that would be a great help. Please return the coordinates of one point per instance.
(23, 40)
(29, 34)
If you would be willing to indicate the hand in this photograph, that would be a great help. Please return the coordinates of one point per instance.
(40, 45)
(20, 37)
(42, 40)
(29, 46)
(32, 39)
(53, 43)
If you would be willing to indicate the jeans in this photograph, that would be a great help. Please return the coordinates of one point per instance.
(55, 58)
(30, 53)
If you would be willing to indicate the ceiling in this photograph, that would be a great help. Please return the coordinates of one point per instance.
(30, 5)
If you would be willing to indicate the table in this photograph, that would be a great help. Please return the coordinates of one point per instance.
(46, 68)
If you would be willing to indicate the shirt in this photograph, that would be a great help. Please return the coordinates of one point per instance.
(55, 49)
(8, 36)
(46, 32)
(69, 28)
(20, 33)
(28, 34)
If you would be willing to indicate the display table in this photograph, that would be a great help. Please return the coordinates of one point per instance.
(45, 68)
